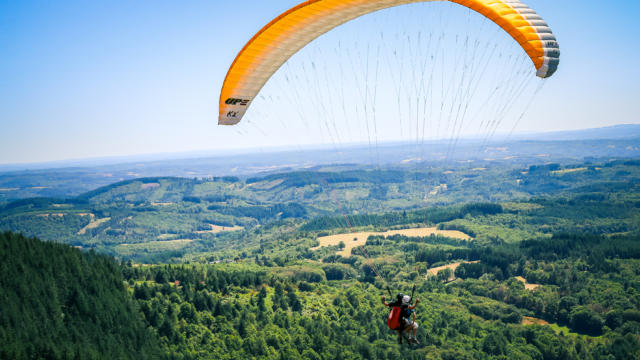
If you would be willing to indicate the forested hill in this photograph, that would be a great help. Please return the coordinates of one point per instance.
(59, 303)
(165, 219)
(69, 179)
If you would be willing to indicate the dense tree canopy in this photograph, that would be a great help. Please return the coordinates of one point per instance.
(60, 303)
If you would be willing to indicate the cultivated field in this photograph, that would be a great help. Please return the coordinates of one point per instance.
(353, 240)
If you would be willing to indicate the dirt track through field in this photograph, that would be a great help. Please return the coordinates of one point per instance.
(353, 240)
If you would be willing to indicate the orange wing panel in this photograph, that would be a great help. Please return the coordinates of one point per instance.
(288, 33)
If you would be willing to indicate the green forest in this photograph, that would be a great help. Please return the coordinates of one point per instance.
(551, 271)
(61, 303)
(92, 306)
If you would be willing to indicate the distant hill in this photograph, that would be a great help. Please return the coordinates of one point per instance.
(628, 131)
(68, 179)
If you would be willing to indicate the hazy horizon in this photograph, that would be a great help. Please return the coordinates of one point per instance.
(215, 153)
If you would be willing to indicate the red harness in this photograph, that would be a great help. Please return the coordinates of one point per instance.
(394, 321)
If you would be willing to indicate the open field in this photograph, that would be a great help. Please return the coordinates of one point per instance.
(527, 320)
(434, 271)
(568, 171)
(52, 214)
(215, 229)
(353, 240)
(560, 330)
(162, 203)
(93, 224)
(267, 185)
(526, 284)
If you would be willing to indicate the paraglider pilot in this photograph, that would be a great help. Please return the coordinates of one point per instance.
(402, 317)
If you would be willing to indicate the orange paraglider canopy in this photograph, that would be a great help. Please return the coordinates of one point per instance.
(272, 46)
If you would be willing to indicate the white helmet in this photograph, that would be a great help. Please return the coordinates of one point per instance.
(406, 299)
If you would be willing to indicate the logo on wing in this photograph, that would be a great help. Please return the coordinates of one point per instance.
(234, 101)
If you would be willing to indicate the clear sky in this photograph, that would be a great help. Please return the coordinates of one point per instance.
(99, 78)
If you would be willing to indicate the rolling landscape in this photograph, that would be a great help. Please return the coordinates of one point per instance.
(525, 258)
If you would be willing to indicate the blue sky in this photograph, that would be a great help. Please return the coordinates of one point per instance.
(85, 79)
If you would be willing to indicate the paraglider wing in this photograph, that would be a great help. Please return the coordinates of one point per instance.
(270, 48)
